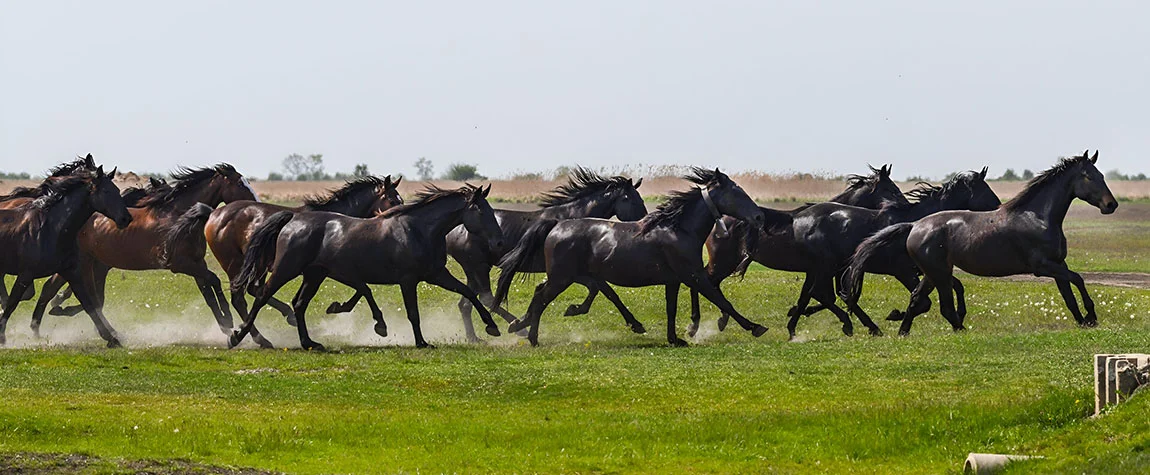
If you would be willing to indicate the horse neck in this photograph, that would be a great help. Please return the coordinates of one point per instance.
(67, 216)
(350, 206)
(201, 193)
(1051, 202)
(697, 220)
(438, 218)
(849, 196)
(585, 207)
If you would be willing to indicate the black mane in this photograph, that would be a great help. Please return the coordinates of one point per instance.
(1039, 181)
(77, 165)
(54, 190)
(671, 211)
(431, 194)
(581, 183)
(185, 178)
(924, 191)
(347, 190)
(22, 192)
(855, 182)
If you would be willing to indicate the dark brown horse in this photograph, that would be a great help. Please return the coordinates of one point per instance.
(1023, 236)
(39, 239)
(731, 252)
(404, 245)
(230, 227)
(827, 235)
(166, 233)
(664, 248)
(586, 195)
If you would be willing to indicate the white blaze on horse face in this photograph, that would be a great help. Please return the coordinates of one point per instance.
(249, 187)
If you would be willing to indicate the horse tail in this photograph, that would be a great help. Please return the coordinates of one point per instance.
(188, 231)
(261, 250)
(523, 255)
(894, 235)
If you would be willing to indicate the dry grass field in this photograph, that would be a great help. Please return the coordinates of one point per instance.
(761, 187)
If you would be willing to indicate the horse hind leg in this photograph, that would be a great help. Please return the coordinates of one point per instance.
(602, 286)
(1091, 319)
(824, 294)
(583, 307)
(50, 287)
(545, 293)
(919, 304)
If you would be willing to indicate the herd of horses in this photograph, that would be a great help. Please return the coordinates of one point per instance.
(76, 226)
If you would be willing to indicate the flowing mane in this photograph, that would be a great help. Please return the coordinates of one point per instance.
(855, 182)
(79, 164)
(670, 212)
(185, 178)
(22, 192)
(580, 183)
(1042, 179)
(133, 194)
(431, 194)
(924, 191)
(347, 190)
(55, 189)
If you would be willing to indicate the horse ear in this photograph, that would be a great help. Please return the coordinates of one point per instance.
(487, 191)
(1086, 154)
(89, 161)
(387, 181)
(1094, 159)
(100, 171)
(982, 174)
(396, 182)
(884, 171)
(636, 184)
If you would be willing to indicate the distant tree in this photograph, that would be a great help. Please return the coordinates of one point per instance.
(463, 172)
(1116, 175)
(1140, 177)
(360, 171)
(424, 168)
(528, 176)
(561, 172)
(304, 168)
(1027, 174)
(273, 176)
(1009, 175)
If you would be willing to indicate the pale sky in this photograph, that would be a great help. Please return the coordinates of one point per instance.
(530, 85)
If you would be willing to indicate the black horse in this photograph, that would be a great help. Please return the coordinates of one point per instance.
(827, 235)
(732, 251)
(404, 245)
(585, 195)
(664, 248)
(1024, 236)
(39, 239)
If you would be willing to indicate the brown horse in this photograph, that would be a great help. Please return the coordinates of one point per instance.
(230, 228)
(39, 239)
(164, 234)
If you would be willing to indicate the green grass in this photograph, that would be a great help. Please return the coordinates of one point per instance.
(593, 397)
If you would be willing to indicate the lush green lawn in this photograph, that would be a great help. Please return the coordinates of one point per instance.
(593, 397)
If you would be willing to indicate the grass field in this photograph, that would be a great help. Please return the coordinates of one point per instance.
(593, 397)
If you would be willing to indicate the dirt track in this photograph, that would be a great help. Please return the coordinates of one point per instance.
(1134, 280)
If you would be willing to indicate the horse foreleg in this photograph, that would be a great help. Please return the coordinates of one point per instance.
(545, 293)
(349, 305)
(1091, 319)
(307, 290)
(603, 286)
(50, 287)
(83, 290)
(583, 307)
(208, 284)
(959, 298)
(700, 282)
(671, 294)
(919, 304)
(411, 304)
(445, 280)
(17, 288)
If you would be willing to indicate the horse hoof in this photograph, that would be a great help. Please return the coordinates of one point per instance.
(638, 328)
(894, 316)
(959, 328)
(264, 343)
(114, 343)
(516, 326)
(723, 322)
(692, 329)
(678, 342)
(758, 331)
(424, 344)
(1089, 324)
(904, 333)
(233, 340)
(848, 331)
(334, 308)
(381, 329)
(492, 330)
(875, 331)
(291, 319)
(573, 310)
(313, 346)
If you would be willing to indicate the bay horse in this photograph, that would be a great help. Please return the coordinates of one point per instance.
(827, 235)
(403, 246)
(39, 239)
(1023, 236)
(585, 195)
(664, 248)
(230, 227)
(166, 233)
(731, 252)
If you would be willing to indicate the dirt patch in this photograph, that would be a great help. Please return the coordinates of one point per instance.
(1133, 280)
(37, 464)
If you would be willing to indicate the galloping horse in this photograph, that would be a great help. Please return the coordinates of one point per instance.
(404, 245)
(664, 248)
(165, 234)
(1023, 236)
(39, 239)
(230, 227)
(585, 195)
(731, 252)
(827, 235)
